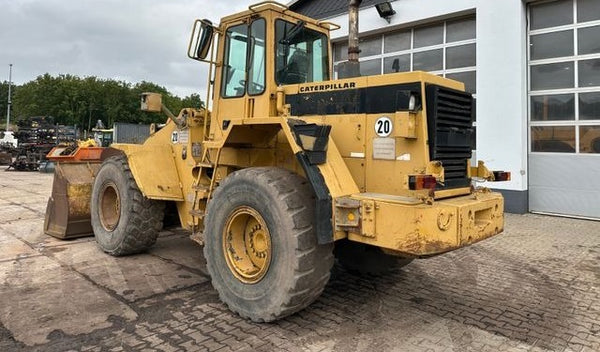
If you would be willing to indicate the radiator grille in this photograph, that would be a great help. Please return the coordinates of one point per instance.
(450, 128)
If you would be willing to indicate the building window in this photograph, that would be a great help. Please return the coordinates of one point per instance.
(446, 49)
(564, 76)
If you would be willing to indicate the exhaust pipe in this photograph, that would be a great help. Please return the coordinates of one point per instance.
(353, 49)
(351, 68)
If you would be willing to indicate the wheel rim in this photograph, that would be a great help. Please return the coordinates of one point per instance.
(247, 245)
(110, 207)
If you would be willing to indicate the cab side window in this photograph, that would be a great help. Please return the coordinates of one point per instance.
(244, 66)
(256, 69)
(234, 67)
(302, 54)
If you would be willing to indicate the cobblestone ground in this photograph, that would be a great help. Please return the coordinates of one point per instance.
(534, 288)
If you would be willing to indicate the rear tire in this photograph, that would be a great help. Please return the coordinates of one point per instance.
(363, 259)
(260, 244)
(123, 220)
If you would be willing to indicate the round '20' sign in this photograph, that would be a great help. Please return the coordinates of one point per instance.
(383, 126)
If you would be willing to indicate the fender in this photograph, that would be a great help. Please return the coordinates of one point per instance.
(322, 164)
(325, 169)
(153, 166)
(324, 205)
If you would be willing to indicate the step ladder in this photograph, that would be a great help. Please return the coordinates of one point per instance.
(202, 193)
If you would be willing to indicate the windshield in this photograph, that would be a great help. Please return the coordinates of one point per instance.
(302, 54)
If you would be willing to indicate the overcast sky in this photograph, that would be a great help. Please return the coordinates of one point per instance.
(130, 40)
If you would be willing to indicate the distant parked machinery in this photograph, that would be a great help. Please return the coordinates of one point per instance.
(8, 147)
(37, 136)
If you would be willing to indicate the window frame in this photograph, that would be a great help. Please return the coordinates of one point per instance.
(226, 51)
(327, 48)
(264, 65)
(576, 90)
(412, 50)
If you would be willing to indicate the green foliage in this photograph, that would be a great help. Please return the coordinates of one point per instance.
(72, 100)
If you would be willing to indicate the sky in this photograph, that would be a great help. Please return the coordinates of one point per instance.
(129, 40)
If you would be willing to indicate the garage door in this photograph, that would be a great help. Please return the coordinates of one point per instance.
(564, 107)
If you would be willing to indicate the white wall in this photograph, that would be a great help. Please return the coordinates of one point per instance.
(501, 72)
(502, 88)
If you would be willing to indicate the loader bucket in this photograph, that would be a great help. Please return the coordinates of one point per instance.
(68, 210)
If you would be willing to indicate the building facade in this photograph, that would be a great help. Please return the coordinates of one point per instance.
(534, 70)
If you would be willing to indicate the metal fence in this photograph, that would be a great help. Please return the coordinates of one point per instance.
(130, 133)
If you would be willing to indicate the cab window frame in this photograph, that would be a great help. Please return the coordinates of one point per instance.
(251, 57)
(324, 58)
(226, 63)
(246, 73)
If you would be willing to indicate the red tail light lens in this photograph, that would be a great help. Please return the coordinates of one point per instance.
(501, 175)
(416, 182)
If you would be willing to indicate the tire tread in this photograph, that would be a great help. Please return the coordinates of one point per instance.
(313, 262)
(145, 217)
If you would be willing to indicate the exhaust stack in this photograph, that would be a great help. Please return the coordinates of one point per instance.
(353, 49)
(351, 68)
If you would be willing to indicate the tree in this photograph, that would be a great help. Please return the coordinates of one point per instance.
(61, 97)
(72, 100)
(193, 101)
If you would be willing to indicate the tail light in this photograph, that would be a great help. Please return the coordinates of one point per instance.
(501, 175)
(417, 182)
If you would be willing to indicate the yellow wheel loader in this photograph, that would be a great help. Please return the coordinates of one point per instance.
(292, 164)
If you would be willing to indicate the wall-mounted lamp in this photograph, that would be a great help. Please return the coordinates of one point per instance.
(385, 10)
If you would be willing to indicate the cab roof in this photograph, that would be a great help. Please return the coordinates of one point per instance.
(279, 8)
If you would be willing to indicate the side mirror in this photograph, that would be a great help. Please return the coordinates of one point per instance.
(201, 40)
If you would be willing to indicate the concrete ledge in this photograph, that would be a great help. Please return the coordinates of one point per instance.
(516, 202)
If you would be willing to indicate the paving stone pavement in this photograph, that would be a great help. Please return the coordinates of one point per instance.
(534, 288)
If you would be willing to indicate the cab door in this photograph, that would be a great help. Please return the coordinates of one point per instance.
(243, 70)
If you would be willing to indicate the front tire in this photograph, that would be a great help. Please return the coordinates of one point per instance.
(124, 221)
(260, 244)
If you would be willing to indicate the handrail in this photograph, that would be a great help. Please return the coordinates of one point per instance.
(324, 24)
(205, 130)
(269, 2)
(330, 25)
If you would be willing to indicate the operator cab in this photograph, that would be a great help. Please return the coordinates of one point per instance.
(258, 50)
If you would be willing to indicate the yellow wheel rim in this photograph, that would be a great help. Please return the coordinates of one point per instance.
(247, 245)
(110, 207)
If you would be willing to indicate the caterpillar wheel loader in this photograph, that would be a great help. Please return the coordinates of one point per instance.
(291, 164)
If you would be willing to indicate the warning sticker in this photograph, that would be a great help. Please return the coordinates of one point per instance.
(384, 148)
(184, 136)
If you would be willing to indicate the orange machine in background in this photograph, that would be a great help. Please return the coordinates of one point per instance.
(68, 209)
